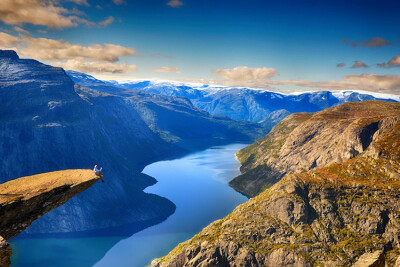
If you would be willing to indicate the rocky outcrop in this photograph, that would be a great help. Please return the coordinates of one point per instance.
(338, 215)
(5, 252)
(373, 259)
(26, 199)
(305, 141)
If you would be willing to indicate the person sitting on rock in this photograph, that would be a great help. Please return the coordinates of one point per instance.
(98, 172)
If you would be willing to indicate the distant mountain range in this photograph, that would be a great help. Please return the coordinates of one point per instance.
(240, 103)
(50, 123)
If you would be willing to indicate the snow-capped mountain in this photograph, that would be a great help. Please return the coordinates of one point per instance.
(250, 104)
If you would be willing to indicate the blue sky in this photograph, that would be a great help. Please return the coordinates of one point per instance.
(205, 40)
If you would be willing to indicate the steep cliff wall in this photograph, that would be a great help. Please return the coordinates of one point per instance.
(305, 141)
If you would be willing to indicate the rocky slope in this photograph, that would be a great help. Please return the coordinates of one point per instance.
(242, 103)
(304, 141)
(5, 252)
(338, 215)
(25, 199)
(49, 123)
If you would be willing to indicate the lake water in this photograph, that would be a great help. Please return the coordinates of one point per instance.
(197, 184)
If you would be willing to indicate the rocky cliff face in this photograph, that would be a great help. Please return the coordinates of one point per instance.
(25, 199)
(342, 214)
(49, 123)
(5, 253)
(304, 141)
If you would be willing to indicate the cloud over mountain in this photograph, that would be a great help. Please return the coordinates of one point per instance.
(95, 58)
(85, 66)
(244, 73)
(370, 82)
(49, 49)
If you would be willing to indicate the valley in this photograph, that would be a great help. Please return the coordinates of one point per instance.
(341, 210)
(124, 127)
(194, 194)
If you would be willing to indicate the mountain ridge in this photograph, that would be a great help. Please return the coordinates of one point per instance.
(256, 105)
(303, 141)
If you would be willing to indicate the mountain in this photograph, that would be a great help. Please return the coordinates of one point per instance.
(344, 211)
(304, 141)
(50, 123)
(244, 103)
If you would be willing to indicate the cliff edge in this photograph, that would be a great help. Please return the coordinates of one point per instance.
(25, 199)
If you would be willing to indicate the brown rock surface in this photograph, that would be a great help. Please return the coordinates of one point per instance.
(373, 259)
(5, 252)
(25, 199)
(304, 141)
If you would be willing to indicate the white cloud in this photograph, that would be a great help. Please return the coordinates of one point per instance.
(19, 29)
(95, 67)
(49, 49)
(389, 84)
(119, 2)
(7, 40)
(376, 42)
(175, 3)
(47, 13)
(95, 58)
(80, 2)
(168, 70)
(37, 12)
(107, 21)
(373, 42)
(358, 64)
(395, 61)
(369, 82)
(244, 73)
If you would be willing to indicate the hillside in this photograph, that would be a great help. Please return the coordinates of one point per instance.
(25, 199)
(304, 141)
(49, 123)
(342, 214)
